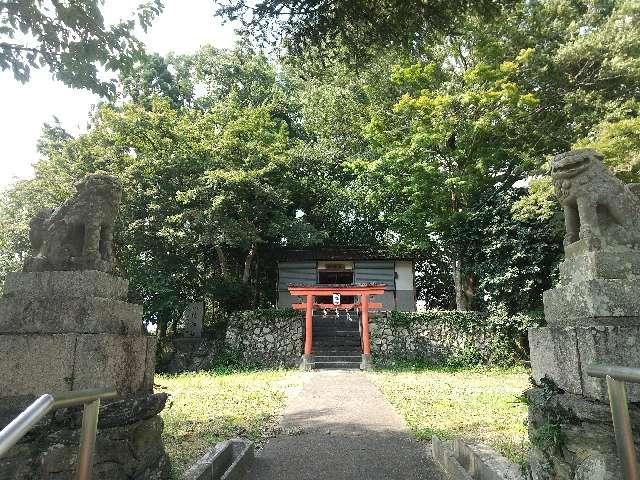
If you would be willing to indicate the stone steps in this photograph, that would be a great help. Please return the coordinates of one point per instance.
(348, 357)
(327, 332)
(336, 342)
(337, 365)
(337, 351)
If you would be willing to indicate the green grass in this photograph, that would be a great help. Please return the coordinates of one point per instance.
(476, 404)
(207, 407)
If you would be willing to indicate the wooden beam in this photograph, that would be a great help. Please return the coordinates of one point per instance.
(331, 306)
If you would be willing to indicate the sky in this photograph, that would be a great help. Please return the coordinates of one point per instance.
(184, 26)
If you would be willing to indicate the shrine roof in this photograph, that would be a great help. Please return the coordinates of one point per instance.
(344, 254)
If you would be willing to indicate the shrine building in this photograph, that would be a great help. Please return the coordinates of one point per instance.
(333, 266)
(338, 289)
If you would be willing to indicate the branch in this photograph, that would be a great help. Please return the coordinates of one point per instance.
(247, 264)
(14, 46)
(222, 261)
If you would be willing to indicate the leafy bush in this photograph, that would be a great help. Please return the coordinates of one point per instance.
(266, 315)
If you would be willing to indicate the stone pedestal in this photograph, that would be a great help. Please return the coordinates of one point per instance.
(73, 330)
(366, 363)
(593, 317)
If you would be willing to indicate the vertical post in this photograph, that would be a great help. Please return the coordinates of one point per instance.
(366, 343)
(622, 428)
(308, 333)
(88, 439)
(307, 358)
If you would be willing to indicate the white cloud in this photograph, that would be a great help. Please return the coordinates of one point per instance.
(184, 26)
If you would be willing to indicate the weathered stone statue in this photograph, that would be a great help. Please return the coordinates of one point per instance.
(593, 317)
(78, 235)
(66, 325)
(599, 210)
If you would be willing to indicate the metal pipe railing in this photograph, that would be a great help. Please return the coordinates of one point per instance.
(18, 428)
(615, 378)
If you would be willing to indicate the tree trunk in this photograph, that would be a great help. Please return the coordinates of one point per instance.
(469, 288)
(461, 299)
(246, 275)
(256, 279)
(162, 329)
(465, 286)
(222, 261)
(174, 325)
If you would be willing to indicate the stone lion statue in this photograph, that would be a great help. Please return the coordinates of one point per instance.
(78, 235)
(599, 210)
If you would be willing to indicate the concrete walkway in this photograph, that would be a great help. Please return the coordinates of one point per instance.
(340, 427)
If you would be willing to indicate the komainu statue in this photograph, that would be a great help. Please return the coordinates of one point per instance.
(599, 210)
(78, 235)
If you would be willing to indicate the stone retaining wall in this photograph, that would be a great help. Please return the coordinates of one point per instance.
(440, 337)
(275, 337)
(432, 342)
(267, 338)
(190, 354)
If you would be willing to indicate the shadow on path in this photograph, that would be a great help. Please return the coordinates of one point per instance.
(340, 427)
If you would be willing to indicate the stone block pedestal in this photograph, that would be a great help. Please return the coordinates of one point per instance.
(593, 317)
(73, 330)
(366, 363)
(306, 362)
(562, 355)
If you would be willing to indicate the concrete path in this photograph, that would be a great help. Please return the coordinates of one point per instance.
(340, 427)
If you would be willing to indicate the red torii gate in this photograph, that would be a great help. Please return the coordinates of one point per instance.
(363, 290)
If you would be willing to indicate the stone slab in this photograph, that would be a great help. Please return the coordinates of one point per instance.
(61, 314)
(150, 364)
(554, 354)
(37, 364)
(562, 354)
(593, 302)
(107, 360)
(192, 319)
(212, 464)
(87, 283)
(604, 264)
(619, 346)
(444, 456)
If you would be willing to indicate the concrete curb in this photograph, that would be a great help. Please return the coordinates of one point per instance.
(444, 457)
(474, 461)
(230, 460)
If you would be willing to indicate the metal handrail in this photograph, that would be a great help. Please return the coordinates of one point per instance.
(19, 426)
(616, 377)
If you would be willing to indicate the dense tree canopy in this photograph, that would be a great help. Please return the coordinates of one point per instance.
(347, 29)
(437, 149)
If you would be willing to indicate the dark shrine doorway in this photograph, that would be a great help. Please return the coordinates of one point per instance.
(335, 277)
